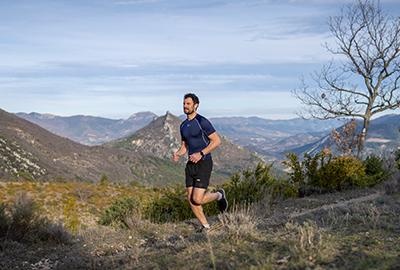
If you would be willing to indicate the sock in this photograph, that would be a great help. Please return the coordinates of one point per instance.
(207, 226)
(219, 195)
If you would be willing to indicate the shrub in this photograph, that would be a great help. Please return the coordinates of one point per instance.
(71, 218)
(170, 206)
(22, 222)
(243, 188)
(306, 174)
(373, 165)
(240, 223)
(308, 244)
(297, 174)
(342, 172)
(374, 168)
(23, 216)
(323, 172)
(52, 232)
(119, 210)
(252, 185)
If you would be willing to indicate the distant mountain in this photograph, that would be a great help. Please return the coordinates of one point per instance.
(162, 137)
(383, 136)
(90, 130)
(271, 137)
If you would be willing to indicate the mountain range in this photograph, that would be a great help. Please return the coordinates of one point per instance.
(383, 137)
(32, 152)
(162, 135)
(90, 130)
(269, 138)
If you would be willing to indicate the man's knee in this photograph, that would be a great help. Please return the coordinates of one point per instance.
(196, 200)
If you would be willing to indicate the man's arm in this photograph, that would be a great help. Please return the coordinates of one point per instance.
(215, 141)
(181, 151)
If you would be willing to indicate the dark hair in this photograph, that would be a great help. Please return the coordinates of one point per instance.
(193, 97)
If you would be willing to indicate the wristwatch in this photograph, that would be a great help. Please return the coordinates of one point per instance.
(201, 153)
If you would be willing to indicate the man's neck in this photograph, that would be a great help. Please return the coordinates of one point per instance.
(192, 115)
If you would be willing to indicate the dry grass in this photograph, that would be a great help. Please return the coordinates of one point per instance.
(357, 235)
(240, 223)
(87, 199)
(309, 245)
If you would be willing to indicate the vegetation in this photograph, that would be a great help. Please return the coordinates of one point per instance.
(324, 172)
(351, 229)
(118, 212)
(359, 230)
(22, 222)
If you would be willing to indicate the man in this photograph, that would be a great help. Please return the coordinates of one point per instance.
(199, 138)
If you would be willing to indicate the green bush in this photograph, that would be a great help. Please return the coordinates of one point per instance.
(119, 210)
(323, 172)
(171, 205)
(22, 222)
(23, 216)
(71, 219)
(252, 185)
(342, 172)
(243, 188)
(297, 174)
(375, 170)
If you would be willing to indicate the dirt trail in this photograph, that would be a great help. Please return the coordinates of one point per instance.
(369, 197)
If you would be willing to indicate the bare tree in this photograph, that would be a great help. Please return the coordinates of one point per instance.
(364, 78)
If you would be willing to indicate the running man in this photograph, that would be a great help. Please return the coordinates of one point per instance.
(199, 138)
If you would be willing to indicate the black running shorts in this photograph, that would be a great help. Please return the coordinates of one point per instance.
(198, 174)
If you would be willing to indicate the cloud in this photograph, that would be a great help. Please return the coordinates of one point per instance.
(129, 52)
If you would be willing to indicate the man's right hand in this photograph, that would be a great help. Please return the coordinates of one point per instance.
(175, 157)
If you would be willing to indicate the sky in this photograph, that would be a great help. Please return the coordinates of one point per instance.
(113, 58)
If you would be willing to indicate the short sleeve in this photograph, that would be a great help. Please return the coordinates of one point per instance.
(207, 126)
(182, 138)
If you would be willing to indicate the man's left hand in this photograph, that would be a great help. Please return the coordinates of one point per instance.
(195, 157)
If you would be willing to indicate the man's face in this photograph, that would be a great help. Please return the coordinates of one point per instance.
(188, 106)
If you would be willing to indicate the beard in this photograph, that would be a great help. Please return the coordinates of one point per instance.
(188, 111)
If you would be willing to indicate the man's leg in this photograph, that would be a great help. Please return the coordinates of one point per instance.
(197, 209)
(202, 196)
(197, 197)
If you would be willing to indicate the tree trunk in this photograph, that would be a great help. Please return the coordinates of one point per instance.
(361, 140)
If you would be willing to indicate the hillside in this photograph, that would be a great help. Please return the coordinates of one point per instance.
(90, 130)
(31, 152)
(382, 138)
(161, 138)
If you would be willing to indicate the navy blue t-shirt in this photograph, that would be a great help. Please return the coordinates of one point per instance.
(195, 134)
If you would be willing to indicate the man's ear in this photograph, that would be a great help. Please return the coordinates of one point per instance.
(196, 106)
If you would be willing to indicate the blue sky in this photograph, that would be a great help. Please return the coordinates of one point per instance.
(113, 58)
